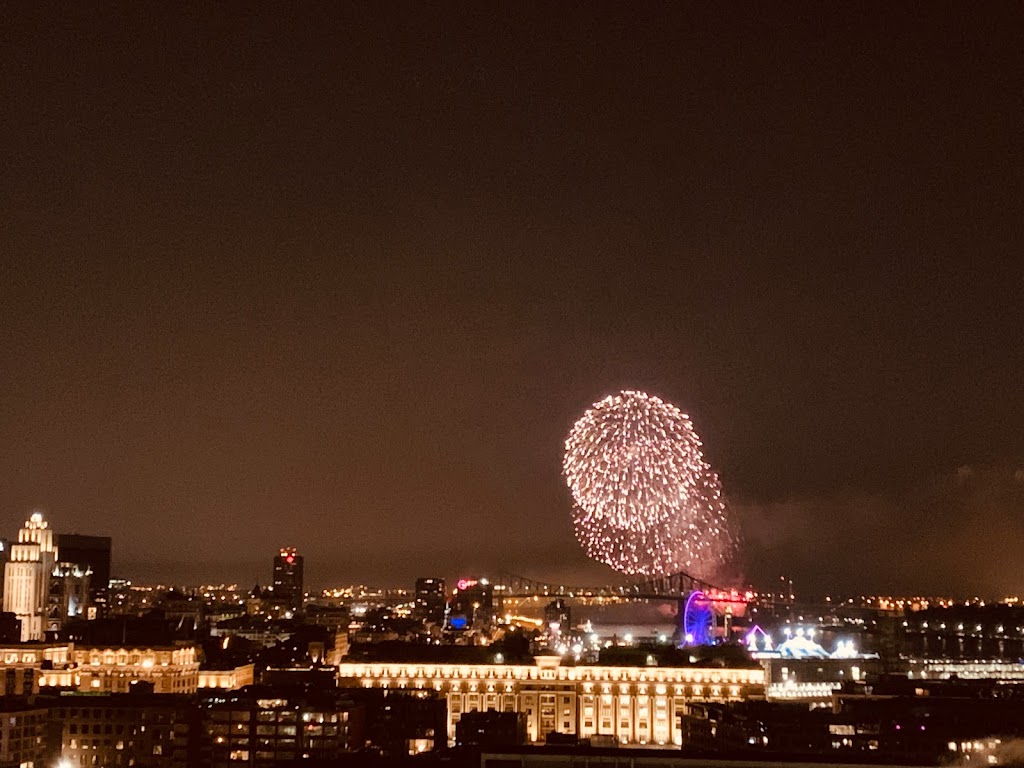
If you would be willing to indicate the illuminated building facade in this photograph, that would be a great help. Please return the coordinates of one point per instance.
(633, 705)
(965, 669)
(288, 579)
(21, 666)
(27, 576)
(89, 553)
(70, 595)
(107, 669)
(227, 679)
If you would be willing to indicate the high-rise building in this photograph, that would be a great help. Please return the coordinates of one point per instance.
(431, 600)
(88, 553)
(472, 604)
(27, 576)
(69, 594)
(288, 579)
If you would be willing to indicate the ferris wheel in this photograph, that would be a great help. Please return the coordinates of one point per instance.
(698, 620)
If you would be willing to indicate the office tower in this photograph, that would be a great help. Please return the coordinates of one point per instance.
(88, 553)
(472, 604)
(27, 576)
(288, 579)
(430, 600)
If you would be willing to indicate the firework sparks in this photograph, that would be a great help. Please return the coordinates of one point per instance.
(646, 502)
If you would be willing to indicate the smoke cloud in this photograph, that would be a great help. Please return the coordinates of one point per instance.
(959, 533)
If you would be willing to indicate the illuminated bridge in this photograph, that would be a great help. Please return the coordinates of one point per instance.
(674, 587)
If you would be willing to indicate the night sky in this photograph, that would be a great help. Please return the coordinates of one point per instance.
(342, 276)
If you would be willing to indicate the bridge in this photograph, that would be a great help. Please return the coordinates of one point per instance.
(675, 587)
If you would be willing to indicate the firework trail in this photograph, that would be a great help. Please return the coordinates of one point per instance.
(646, 502)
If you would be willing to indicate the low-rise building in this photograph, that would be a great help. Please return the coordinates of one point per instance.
(899, 722)
(964, 669)
(258, 630)
(25, 668)
(228, 679)
(635, 705)
(109, 669)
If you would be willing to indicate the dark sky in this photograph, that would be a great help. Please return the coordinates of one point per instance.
(343, 275)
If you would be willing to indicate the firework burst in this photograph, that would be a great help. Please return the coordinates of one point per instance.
(646, 502)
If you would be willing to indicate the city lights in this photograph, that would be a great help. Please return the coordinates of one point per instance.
(548, 385)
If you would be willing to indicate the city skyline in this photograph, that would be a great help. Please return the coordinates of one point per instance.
(239, 577)
(344, 280)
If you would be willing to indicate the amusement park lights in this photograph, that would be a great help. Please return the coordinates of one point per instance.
(646, 501)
